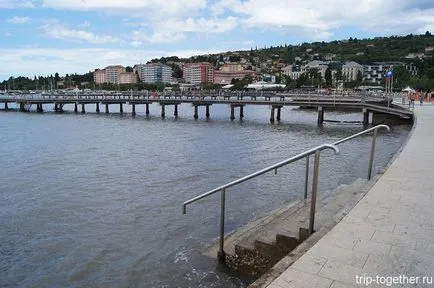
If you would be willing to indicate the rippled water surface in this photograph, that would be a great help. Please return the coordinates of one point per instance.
(91, 200)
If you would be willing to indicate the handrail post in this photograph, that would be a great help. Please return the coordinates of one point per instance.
(314, 192)
(306, 183)
(371, 159)
(222, 255)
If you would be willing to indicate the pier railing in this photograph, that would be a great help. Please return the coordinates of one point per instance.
(310, 96)
(306, 154)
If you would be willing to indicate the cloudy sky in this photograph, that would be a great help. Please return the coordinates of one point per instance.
(40, 37)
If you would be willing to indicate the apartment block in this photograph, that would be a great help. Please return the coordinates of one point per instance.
(100, 76)
(155, 73)
(197, 73)
(113, 73)
(375, 73)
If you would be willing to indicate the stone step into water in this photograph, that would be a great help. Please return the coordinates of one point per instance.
(255, 248)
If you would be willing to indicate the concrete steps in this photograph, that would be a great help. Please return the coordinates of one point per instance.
(255, 248)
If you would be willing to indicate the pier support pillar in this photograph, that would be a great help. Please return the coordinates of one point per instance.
(107, 108)
(365, 116)
(272, 114)
(75, 107)
(22, 107)
(241, 112)
(82, 108)
(175, 112)
(278, 113)
(163, 110)
(97, 107)
(134, 110)
(147, 108)
(207, 111)
(6, 106)
(196, 114)
(56, 108)
(39, 108)
(232, 112)
(60, 107)
(320, 115)
(121, 108)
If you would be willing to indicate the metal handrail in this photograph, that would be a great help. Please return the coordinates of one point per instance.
(260, 172)
(374, 138)
(305, 154)
(371, 158)
(222, 189)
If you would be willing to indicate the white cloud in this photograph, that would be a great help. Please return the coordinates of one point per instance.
(58, 31)
(19, 20)
(85, 24)
(43, 61)
(13, 4)
(201, 25)
(318, 19)
(173, 30)
(139, 8)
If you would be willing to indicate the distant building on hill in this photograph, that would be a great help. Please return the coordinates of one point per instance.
(223, 77)
(321, 66)
(232, 67)
(293, 71)
(350, 70)
(375, 73)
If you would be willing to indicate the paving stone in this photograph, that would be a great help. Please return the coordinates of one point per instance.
(293, 278)
(372, 247)
(345, 256)
(337, 284)
(340, 272)
(310, 264)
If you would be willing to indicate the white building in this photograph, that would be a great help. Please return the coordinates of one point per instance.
(293, 71)
(375, 73)
(350, 70)
(321, 66)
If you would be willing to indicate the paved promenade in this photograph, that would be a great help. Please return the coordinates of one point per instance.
(389, 233)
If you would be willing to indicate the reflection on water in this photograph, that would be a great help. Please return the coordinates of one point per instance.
(95, 200)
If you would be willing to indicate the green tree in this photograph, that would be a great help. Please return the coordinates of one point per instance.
(176, 71)
(339, 75)
(328, 77)
(303, 80)
(359, 77)
(401, 76)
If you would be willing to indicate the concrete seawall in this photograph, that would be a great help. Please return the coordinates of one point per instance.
(386, 238)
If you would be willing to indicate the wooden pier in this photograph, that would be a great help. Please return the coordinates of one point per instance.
(381, 108)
